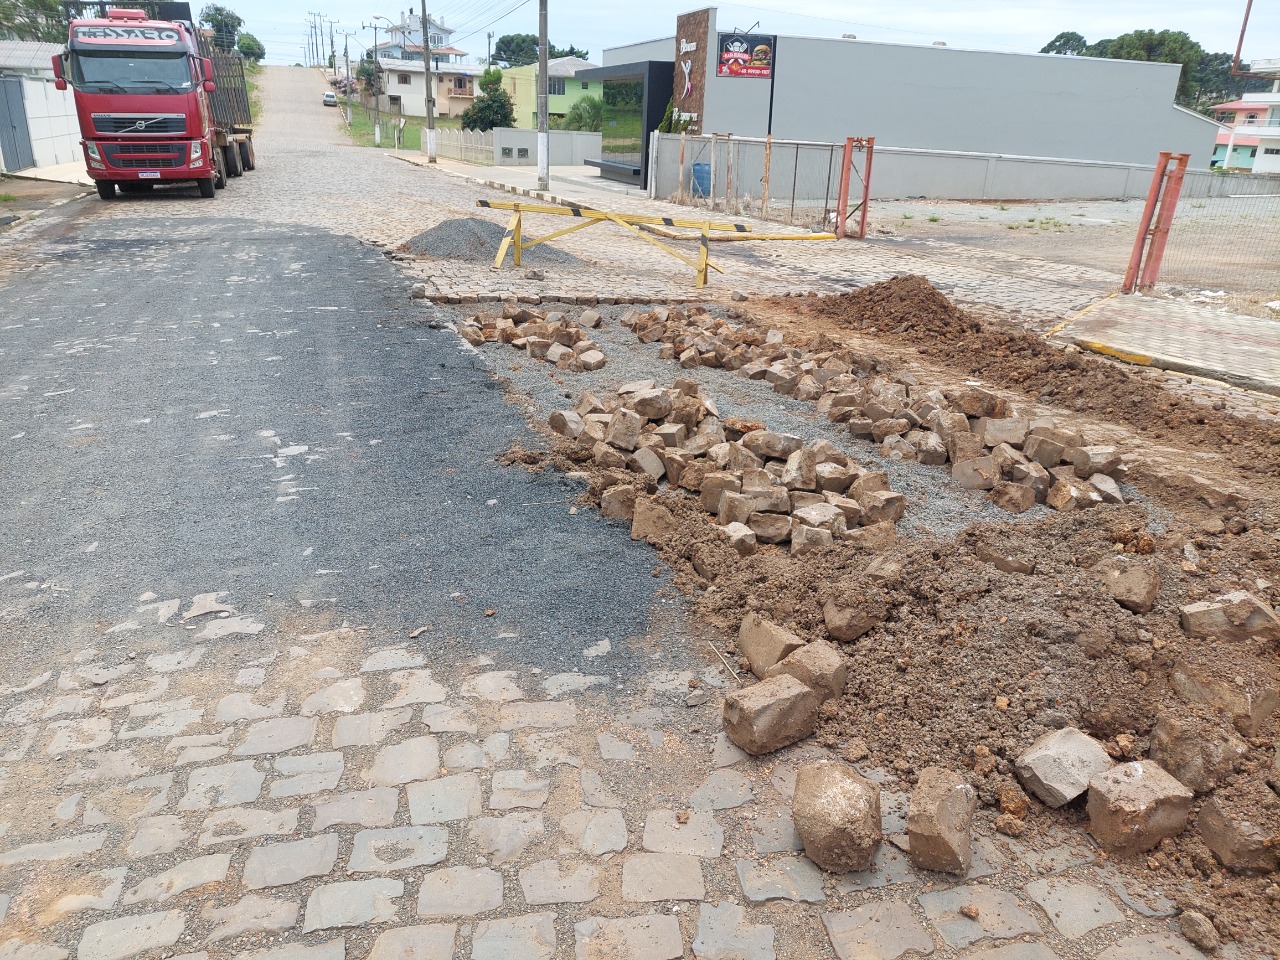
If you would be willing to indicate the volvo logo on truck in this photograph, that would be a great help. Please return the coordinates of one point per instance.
(104, 34)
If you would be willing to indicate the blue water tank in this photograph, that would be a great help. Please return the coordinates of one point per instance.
(702, 179)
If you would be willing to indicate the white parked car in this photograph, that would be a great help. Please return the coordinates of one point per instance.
(330, 99)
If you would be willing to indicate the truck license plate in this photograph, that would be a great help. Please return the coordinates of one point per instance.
(149, 174)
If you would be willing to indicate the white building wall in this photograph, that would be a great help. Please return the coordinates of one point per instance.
(1267, 162)
(51, 119)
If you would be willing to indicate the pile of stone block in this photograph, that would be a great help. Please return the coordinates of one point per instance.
(1020, 461)
(551, 337)
(761, 486)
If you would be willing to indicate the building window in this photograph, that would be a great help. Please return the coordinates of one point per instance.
(437, 40)
(1253, 153)
(555, 86)
(1271, 151)
(1251, 118)
(586, 85)
(403, 79)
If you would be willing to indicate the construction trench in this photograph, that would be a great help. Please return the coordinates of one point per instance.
(931, 543)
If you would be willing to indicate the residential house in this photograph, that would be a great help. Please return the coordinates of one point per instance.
(404, 42)
(563, 89)
(38, 125)
(1250, 138)
(454, 87)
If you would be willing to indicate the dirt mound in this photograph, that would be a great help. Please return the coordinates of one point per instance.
(474, 240)
(910, 310)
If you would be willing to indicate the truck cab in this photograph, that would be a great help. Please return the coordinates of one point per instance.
(143, 94)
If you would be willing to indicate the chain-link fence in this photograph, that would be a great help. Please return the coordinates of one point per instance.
(786, 181)
(1225, 238)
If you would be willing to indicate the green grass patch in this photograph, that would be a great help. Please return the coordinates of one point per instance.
(361, 129)
(934, 218)
(252, 71)
(8, 198)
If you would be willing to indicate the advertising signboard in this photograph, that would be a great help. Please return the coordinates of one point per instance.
(746, 55)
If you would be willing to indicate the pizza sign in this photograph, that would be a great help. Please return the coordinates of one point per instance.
(746, 55)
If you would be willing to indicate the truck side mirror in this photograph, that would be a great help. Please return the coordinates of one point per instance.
(59, 81)
(207, 66)
(209, 86)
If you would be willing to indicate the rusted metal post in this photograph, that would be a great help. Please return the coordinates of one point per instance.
(1164, 220)
(795, 172)
(842, 199)
(704, 254)
(866, 189)
(1144, 225)
(518, 238)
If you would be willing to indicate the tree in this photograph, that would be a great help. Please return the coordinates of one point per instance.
(1068, 44)
(41, 20)
(587, 114)
(251, 47)
(1167, 46)
(225, 23)
(493, 108)
(521, 49)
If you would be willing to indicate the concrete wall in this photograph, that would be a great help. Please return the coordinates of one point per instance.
(664, 49)
(899, 172)
(949, 99)
(568, 147)
(51, 119)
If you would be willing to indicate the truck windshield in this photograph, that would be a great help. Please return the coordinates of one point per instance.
(131, 72)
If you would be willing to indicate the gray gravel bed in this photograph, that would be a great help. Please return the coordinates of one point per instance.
(936, 506)
(473, 240)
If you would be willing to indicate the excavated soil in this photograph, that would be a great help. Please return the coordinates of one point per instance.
(971, 663)
(909, 310)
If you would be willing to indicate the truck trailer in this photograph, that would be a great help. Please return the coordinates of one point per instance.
(157, 103)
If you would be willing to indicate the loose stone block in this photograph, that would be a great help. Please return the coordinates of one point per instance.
(1134, 806)
(978, 473)
(619, 502)
(806, 540)
(459, 892)
(445, 800)
(651, 521)
(1132, 583)
(243, 823)
(847, 623)
(1233, 616)
(307, 774)
(1197, 754)
(764, 643)
(940, 821)
(819, 666)
(741, 537)
(597, 832)
(699, 835)
(280, 864)
(1057, 768)
(650, 877)
(531, 937)
(771, 714)
(882, 930)
(1239, 844)
(352, 903)
(127, 936)
(624, 429)
(229, 784)
(382, 851)
(1013, 497)
(651, 937)
(368, 729)
(837, 814)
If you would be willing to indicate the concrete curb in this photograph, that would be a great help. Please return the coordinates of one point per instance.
(1271, 388)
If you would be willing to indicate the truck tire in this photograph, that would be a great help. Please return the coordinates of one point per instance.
(219, 171)
(106, 189)
(206, 187)
(231, 159)
(246, 155)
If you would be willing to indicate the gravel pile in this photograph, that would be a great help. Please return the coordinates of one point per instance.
(473, 240)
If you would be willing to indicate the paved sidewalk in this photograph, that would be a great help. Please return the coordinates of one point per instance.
(1203, 341)
(59, 173)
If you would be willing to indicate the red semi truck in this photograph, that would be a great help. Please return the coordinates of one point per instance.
(156, 102)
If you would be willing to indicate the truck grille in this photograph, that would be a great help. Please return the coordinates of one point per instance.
(145, 156)
(127, 123)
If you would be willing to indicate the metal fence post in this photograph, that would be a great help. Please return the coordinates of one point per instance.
(1144, 225)
(1160, 235)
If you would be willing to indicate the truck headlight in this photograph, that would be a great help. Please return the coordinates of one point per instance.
(197, 151)
(91, 148)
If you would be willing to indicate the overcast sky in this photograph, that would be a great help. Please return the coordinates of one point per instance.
(1023, 26)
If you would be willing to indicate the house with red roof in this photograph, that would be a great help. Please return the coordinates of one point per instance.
(1250, 134)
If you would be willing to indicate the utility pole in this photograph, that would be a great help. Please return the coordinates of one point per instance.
(488, 61)
(544, 136)
(346, 56)
(431, 100)
(316, 34)
(377, 94)
(333, 52)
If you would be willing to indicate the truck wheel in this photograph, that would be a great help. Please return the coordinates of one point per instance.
(206, 187)
(219, 171)
(231, 159)
(106, 189)
(246, 155)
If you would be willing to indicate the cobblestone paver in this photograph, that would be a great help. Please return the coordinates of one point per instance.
(347, 795)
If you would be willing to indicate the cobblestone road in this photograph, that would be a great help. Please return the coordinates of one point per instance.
(263, 790)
